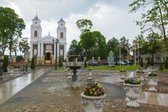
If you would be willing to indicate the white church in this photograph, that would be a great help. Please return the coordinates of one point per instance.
(47, 49)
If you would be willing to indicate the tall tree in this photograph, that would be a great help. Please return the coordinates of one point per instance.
(88, 41)
(84, 25)
(101, 46)
(125, 47)
(152, 44)
(10, 26)
(156, 17)
(139, 43)
(24, 46)
(113, 44)
(75, 48)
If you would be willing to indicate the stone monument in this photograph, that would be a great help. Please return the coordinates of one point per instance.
(110, 59)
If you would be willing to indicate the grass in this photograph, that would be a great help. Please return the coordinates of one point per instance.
(127, 68)
(165, 70)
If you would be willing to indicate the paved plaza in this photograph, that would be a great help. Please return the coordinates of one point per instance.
(47, 90)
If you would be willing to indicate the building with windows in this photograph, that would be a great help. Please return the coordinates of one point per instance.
(47, 49)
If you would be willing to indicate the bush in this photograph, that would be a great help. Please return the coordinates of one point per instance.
(152, 62)
(141, 62)
(148, 62)
(161, 67)
(5, 64)
(60, 62)
(85, 64)
(32, 63)
(166, 63)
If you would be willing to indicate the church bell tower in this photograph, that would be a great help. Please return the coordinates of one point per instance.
(61, 35)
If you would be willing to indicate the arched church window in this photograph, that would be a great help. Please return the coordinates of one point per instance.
(35, 33)
(61, 34)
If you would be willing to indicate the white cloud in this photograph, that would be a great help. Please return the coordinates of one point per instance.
(110, 17)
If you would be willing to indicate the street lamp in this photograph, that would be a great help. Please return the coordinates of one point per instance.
(55, 42)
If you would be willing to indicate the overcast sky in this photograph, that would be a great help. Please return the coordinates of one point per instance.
(110, 17)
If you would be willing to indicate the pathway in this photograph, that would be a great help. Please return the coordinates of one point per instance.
(11, 87)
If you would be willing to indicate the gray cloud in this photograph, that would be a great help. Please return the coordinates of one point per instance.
(49, 9)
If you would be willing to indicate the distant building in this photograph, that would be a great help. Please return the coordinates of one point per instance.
(44, 47)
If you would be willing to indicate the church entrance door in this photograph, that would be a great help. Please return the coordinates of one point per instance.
(48, 58)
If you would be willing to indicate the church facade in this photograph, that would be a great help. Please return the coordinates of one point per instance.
(47, 49)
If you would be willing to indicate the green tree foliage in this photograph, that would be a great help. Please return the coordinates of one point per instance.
(88, 41)
(152, 44)
(5, 64)
(113, 44)
(24, 46)
(156, 16)
(91, 44)
(166, 63)
(75, 48)
(101, 47)
(10, 26)
(60, 62)
(32, 63)
(148, 62)
(84, 25)
(161, 67)
(141, 62)
(124, 46)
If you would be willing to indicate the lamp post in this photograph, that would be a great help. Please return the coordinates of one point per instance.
(55, 42)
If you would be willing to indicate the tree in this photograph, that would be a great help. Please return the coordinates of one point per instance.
(24, 46)
(101, 47)
(75, 48)
(13, 43)
(124, 46)
(152, 44)
(10, 26)
(166, 63)
(113, 44)
(33, 63)
(139, 43)
(156, 17)
(84, 25)
(88, 41)
(5, 63)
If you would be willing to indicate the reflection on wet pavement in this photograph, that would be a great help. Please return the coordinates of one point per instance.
(10, 88)
(109, 78)
(153, 98)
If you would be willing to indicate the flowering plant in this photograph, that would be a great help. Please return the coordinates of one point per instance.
(133, 81)
(93, 89)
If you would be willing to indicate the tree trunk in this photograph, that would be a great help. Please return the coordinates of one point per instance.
(162, 24)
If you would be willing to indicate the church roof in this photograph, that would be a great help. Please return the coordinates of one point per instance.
(61, 20)
(36, 18)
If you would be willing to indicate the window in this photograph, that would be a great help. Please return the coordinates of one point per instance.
(35, 33)
(61, 34)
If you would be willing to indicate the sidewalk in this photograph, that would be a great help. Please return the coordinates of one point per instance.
(11, 87)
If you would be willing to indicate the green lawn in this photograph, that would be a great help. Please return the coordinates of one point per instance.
(127, 68)
(165, 70)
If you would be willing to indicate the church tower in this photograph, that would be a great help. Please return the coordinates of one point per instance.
(61, 35)
(36, 29)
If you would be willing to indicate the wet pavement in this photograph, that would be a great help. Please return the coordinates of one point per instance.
(51, 91)
(11, 87)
